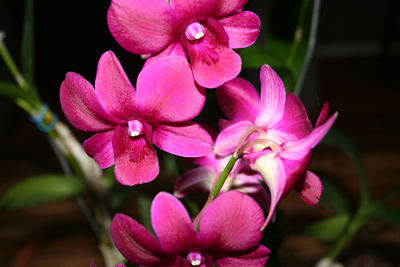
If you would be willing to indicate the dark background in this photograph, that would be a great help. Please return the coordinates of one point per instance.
(355, 67)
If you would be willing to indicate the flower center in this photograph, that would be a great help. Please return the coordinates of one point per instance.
(195, 31)
(195, 258)
(135, 128)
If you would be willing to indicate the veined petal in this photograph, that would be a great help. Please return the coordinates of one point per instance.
(190, 10)
(242, 28)
(229, 7)
(255, 258)
(172, 224)
(297, 149)
(134, 241)
(81, 105)
(143, 27)
(186, 139)
(197, 180)
(239, 100)
(310, 189)
(174, 49)
(166, 91)
(113, 87)
(229, 138)
(135, 158)
(273, 97)
(99, 147)
(231, 223)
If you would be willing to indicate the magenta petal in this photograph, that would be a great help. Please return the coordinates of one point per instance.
(229, 7)
(142, 27)
(228, 139)
(113, 87)
(310, 189)
(135, 158)
(134, 241)
(197, 180)
(273, 97)
(186, 139)
(190, 10)
(174, 49)
(294, 150)
(166, 91)
(242, 28)
(172, 224)
(323, 115)
(255, 258)
(81, 105)
(100, 148)
(231, 223)
(239, 100)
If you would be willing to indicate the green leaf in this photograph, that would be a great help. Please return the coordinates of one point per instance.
(41, 189)
(333, 198)
(340, 140)
(27, 47)
(144, 203)
(13, 91)
(329, 229)
(389, 214)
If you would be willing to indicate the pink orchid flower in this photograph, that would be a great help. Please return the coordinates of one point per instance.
(281, 147)
(204, 177)
(205, 31)
(129, 121)
(228, 235)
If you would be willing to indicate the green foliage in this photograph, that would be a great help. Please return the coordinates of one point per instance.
(12, 90)
(328, 229)
(334, 199)
(41, 189)
(389, 214)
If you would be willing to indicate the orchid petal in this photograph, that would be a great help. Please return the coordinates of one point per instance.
(239, 100)
(310, 189)
(229, 7)
(228, 139)
(81, 105)
(113, 87)
(272, 168)
(134, 241)
(255, 258)
(174, 49)
(166, 91)
(273, 96)
(296, 149)
(187, 139)
(323, 115)
(231, 223)
(190, 10)
(99, 147)
(172, 224)
(197, 180)
(135, 158)
(143, 27)
(242, 28)
(251, 185)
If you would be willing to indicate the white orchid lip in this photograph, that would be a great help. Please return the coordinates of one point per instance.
(135, 128)
(195, 31)
(195, 258)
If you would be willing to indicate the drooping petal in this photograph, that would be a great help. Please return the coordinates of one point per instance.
(231, 223)
(134, 241)
(228, 139)
(172, 224)
(189, 10)
(100, 148)
(213, 62)
(255, 258)
(197, 180)
(174, 49)
(229, 7)
(239, 100)
(310, 189)
(273, 97)
(143, 27)
(81, 105)
(166, 91)
(115, 92)
(272, 168)
(186, 139)
(323, 115)
(294, 123)
(135, 158)
(242, 28)
(294, 150)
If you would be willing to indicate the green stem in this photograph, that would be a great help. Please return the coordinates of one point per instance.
(224, 175)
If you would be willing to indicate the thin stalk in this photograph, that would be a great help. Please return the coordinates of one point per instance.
(224, 175)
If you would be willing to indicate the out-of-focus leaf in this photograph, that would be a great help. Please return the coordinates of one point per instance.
(27, 47)
(389, 214)
(333, 198)
(338, 139)
(329, 229)
(13, 91)
(41, 189)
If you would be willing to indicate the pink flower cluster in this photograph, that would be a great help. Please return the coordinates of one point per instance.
(189, 46)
